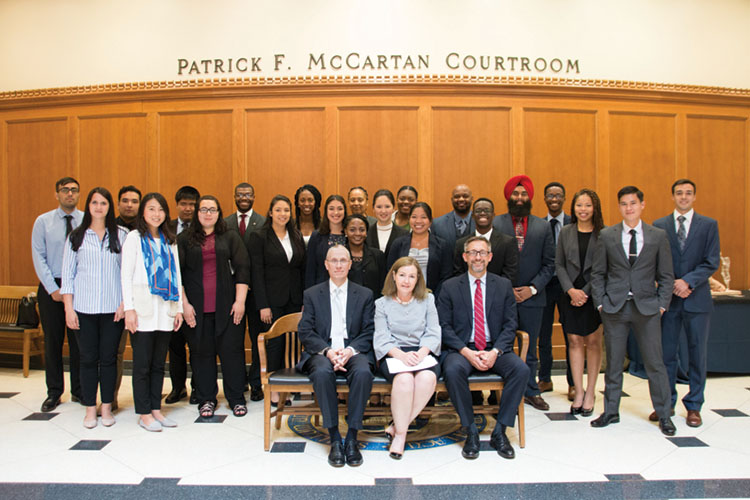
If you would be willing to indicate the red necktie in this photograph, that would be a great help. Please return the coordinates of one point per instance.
(519, 234)
(479, 340)
(242, 224)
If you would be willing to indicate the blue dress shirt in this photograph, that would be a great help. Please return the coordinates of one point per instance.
(48, 244)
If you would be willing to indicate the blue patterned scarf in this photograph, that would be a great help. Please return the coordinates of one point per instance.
(160, 267)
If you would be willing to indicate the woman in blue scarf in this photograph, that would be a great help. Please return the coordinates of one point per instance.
(152, 296)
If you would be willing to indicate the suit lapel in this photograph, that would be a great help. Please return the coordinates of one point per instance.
(618, 243)
(694, 228)
(325, 297)
(468, 299)
(351, 299)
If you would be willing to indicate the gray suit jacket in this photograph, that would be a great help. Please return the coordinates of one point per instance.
(256, 222)
(568, 258)
(445, 227)
(650, 278)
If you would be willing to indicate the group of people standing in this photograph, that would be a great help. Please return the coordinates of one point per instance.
(397, 286)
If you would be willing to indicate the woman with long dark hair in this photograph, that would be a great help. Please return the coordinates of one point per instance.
(307, 202)
(277, 253)
(330, 233)
(92, 297)
(216, 274)
(368, 264)
(580, 319)
(384, 232)
(152, 297)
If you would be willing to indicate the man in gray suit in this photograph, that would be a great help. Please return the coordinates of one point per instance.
(629, 258)
(457, 223)
(244, 221)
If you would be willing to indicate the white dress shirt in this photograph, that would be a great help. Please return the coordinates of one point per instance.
(286, 244)
(638, 238)
(486, 235)
(688, 220)
(473, 287)
(338, 314)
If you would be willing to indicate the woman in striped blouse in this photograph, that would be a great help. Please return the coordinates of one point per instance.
(93, 300)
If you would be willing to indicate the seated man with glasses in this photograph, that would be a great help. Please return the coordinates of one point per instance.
(336, 331)
(477, 313)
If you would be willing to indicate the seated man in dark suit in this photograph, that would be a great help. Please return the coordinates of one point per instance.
(336, 331)
(478, 319)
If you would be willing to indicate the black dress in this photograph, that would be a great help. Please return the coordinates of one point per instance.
(582, 320)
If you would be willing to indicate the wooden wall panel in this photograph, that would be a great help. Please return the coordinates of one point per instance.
(378, 148)
(717, 144)
(559, 145)
(642, 153)
(37, 158)
(113, 152)
(470, 146)
(285, 149)
(195, 148)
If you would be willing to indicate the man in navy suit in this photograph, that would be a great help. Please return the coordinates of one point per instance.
(336, 331)
(457, 223)
(536, 266)
(694, 240)
(477, 313)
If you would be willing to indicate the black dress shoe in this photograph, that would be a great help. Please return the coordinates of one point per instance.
(576, 410)
(605, 419)
(353, 455)
(256, 394)
(471, 446)
(194, 398)
(667, 427)
(502, 444)
(175, 396)
(537, 402)
(50, 404)
(336, 456)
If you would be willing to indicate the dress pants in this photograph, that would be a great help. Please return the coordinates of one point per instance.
(120, 360)
(229, 345)
(554, 294)
(178, 360)
(515, 373)
(98, 339)
(254, 327)
(696, 327)
(530, 321)
(275, 347)
(359, 379)
(647, 330)
(149, 355)
(52, 317)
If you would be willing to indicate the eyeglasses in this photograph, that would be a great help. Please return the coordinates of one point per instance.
(483, 211)
(68, 190)
(477, 253)
(246, 196)
(212, 211)
(554, 196)
(338, 262)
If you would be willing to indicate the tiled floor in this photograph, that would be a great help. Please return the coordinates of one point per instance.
(564, 457)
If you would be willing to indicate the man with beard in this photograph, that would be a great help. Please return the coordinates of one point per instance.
(536, 249)
(128, 201)
(457, 223)
(245, 220)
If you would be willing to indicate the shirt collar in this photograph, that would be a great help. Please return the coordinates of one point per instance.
(688, 216)
(332, 287)
(638, 228)
(560, 218)
(249, 214)
(62, 213)
(486, 235)
(472, 279)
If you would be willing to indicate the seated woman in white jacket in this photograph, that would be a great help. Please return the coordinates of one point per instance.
(152, 296)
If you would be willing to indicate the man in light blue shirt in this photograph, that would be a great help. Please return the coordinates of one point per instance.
(48, 237)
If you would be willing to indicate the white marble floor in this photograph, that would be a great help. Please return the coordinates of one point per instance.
(231, 452)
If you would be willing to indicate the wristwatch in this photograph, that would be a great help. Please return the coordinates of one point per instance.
(533, 289)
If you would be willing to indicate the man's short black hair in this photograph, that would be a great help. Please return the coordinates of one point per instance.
(244, 185)
(474, 205)
(128, 189)
(63, 181)
(554, 184)
(187, 193)
(683, 181)
(630, 190)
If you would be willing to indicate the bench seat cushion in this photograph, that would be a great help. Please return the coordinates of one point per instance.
(290, 376)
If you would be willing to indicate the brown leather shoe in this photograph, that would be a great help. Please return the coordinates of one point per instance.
(545, 386)
(571, 393)
(694, 418)
(655, 418)
(537, 402)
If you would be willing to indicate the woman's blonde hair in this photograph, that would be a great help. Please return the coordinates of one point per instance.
(420, 289)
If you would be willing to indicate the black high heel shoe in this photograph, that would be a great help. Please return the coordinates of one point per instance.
(576, 410)
(388, 435)
(587, 412)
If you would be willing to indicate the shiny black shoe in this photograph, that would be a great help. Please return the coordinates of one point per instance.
(336, 457)
(667, 426)
(352, 453)
(471, 446)
(194, 398)
(256, 394)
(576, 410)
(605, 419)
(50, 404)
(501, 443)
(175, 396)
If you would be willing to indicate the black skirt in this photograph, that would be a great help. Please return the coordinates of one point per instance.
(383, 369)
(582, 320)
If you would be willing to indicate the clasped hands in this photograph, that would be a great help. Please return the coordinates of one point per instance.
(681, 288)
(339, 357)
(481, 360)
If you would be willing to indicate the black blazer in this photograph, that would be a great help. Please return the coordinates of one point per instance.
(372, 237)
(456, 311)
(231, 255)
(253, 224)
(504, 256)
(315, 326)
(276, 281)
(372, 272)
(439, 265)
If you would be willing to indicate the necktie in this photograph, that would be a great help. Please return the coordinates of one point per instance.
(337, 334)
(68, 224)
(553, 223)
(460, 228)
(519, 234)
(633, 252)
(681, 233)
(243, 227)
(480, 342)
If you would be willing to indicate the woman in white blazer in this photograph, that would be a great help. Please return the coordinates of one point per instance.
(152, 296)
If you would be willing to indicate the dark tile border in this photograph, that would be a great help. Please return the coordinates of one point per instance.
(90, 444)
(730, 412)
(560, 416)
(6, 395)
(687, 442)
(624, 477)
(288, 447)
(41, 417)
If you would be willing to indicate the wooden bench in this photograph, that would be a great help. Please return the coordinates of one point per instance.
(288, 380)
(18, 340)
